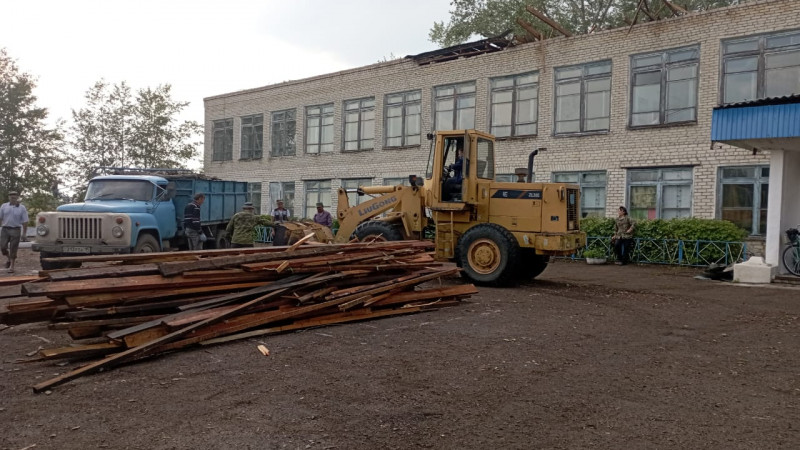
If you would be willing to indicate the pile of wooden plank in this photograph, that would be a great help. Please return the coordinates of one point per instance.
(135, 306)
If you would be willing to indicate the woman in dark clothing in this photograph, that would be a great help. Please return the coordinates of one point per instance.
(623, 236)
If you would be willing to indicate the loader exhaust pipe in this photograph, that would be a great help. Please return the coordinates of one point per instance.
(530, 162)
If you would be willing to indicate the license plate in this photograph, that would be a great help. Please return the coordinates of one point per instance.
(86, 250)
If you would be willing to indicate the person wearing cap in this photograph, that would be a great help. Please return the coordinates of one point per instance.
(14, 221)
(280, 214)
(242, 227)
(323, 217)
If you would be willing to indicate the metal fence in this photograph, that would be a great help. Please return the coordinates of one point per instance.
(673, 251)
(646, 251)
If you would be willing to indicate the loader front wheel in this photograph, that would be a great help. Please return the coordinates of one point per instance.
(488, 254)
(375, 230)
(531, 265)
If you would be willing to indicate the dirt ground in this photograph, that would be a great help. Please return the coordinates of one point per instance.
(601, 357)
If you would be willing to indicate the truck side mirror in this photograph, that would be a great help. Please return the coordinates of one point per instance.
(168, 193)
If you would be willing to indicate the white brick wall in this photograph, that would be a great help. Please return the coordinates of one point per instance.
(614, 152)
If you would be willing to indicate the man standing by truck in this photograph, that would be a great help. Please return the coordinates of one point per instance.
(14, 219)
(191, 222)
(242, 227)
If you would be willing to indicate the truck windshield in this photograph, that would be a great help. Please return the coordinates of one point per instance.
(120, 190)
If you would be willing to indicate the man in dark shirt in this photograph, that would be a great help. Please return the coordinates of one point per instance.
(191, 222)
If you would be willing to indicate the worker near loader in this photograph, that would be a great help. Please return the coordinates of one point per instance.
(623, 236)
(323, 217)
(242, 227)
(280, 213)
(452, 186)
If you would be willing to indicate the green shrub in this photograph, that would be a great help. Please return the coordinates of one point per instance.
(595, 252)
(659, 238)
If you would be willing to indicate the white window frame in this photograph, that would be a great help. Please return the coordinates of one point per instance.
(585, 77)
(222, 140)
(760, 183)
(757, 49)
(358, 125)
(319, 119)
(318, 188)
(517, 87)
(282, 190)
(661, 181)
(284, 129)
(459, 98)
(251, 136)
(409, 105)
(665, 64)
(254, 196)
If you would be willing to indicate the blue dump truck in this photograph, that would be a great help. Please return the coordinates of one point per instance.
(136, 213)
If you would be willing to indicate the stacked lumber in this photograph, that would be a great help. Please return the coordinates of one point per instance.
(129, 307)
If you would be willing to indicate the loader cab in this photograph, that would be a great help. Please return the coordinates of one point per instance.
(476, 165)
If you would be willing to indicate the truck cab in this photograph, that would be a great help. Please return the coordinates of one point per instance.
(120, 214)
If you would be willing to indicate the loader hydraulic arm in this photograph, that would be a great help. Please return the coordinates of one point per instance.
(406, 202)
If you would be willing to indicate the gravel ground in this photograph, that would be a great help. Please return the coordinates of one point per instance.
(600, 357)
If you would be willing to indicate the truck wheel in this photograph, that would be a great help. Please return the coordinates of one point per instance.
(49, 265)
(222, 240)
(377, 230)
(531, 265)
(147, 244)
(488, 254)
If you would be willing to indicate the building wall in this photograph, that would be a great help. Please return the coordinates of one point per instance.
(614, 151)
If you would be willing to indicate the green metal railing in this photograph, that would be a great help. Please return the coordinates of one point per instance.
(673, 251)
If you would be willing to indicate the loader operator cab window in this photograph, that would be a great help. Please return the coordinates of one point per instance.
(455, 166)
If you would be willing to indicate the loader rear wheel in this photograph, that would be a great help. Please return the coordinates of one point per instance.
(378, 231)
(488, 254)
(531, 265)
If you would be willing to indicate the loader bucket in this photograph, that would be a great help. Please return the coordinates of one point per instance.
(287, 233)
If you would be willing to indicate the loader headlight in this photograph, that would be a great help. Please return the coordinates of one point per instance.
(42, 230)
(117, 232)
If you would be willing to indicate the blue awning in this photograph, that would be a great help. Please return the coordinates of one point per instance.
(761, 119)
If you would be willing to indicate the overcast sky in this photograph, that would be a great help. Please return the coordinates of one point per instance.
(202, 47)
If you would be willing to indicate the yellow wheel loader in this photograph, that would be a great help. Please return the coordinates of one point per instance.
(497, 232)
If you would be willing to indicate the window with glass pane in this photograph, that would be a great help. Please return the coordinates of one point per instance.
(359, 124)
(402, 113)
(485, 159)
(593, 190)
(505, 177)
(454, 107)
(283, 133)
(396, 182)
(318, 191)
(514, 103)
(352, 184)
(254, 195)
(662, 193)
(252, 136)
(282, 190)
(319, 128)
(743, 197)
(223, 140)
(761, 67)
(664, 87)
(583, 98)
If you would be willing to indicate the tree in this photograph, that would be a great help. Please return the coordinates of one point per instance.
(115, 129)
(157, 138)
(29, 156)
(101, 130)
(488, 18)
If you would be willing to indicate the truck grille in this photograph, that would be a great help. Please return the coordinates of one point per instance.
(84, 228)
(573, 199)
